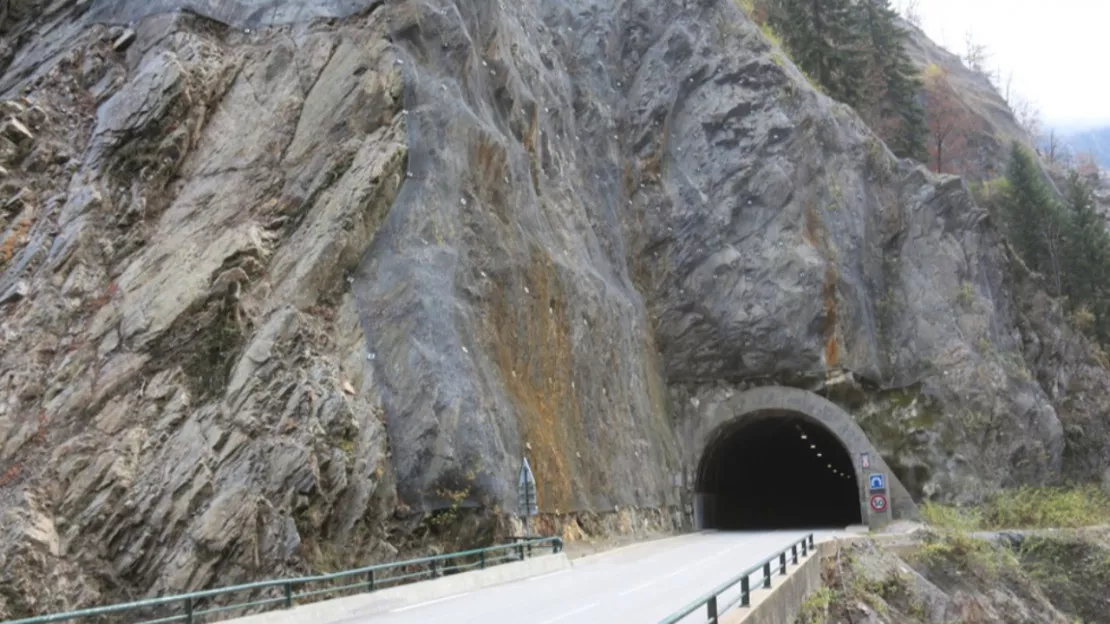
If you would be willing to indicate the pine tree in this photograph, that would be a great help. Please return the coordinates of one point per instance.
(898, 78)
(1087, 258)
(1035, 222)
(823, 39)
(856, 52)
(1087, 248)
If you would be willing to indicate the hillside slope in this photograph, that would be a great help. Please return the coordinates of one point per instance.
(1095, 141)
(283, 295)
(991, 127)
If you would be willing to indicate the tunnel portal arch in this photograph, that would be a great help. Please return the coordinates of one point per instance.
(779, 457)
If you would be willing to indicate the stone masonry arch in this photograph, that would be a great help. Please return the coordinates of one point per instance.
(758, 409)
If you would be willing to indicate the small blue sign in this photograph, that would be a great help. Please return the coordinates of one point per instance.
(876, 481)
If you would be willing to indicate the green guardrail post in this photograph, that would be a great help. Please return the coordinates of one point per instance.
(794, 553)
(804, 548)
(288, 595)
(188, 611)
(767, 575)
(711, 610)
(482, 560)
(369, 580)
(520, 550)
(811, 541)
(782, 563)
(435, 568)
(745, 592)
(556, 546)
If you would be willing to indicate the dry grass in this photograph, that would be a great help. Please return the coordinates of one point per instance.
(1026, 508)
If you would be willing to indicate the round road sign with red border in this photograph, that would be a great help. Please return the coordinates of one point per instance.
(878, 503)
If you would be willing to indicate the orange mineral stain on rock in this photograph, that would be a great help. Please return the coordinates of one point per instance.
(532, 347)
(832, 346)
(815, 233)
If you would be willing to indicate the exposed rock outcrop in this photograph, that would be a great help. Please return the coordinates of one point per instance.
(275, 291)
(186, 393)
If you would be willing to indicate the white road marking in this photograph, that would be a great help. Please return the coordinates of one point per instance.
(548, 575)
(430, 602)
(702, 561)
(680, 570)
(570, 613)
(636, 588)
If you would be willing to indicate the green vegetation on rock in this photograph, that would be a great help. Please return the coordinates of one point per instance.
(1025, 508)
(1067, 242)
(854, 52)
(949, 576)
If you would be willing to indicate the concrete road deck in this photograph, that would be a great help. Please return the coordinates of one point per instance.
(640, 583)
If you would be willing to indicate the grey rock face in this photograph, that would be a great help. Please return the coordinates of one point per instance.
(237, 13)
(186, 398)
(279, 295)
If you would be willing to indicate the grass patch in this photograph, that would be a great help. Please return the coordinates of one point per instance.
(953, 551)
(1025, 508)
(951, 518)
(1032, 508)
(815, 609)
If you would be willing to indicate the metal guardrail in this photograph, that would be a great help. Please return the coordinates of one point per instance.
(711, 601)
(192, 609)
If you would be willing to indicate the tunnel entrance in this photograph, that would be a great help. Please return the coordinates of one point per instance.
(777, 469)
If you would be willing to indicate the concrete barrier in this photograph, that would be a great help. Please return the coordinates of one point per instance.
(355, 608)
(780, 604)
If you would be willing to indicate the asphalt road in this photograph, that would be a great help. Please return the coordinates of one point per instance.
(640, 583)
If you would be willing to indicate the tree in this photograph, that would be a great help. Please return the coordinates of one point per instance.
(892, 81)
(1027, 116)
(822, 39)
(949, 121)
(1003, 84)
(1088, 253)
(1066, 156)
(1036, 224)
(975, 54)
(1052, 146)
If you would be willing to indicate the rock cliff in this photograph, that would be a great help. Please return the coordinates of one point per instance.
(290, 285)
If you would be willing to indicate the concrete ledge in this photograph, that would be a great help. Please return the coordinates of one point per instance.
(779, 605)
(357, 608)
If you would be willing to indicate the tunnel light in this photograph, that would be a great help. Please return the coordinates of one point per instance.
(830, 466)
(803, 436)
(818, 454)
(812, 446)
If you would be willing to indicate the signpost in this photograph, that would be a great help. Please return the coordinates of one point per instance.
(876, 489)
(876, 482)
(878, 503)
(526, 494)
(865, 460)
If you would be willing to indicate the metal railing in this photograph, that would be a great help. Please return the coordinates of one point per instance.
(715, 606)
(193, 607)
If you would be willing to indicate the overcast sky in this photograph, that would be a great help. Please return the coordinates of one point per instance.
(1058, 50)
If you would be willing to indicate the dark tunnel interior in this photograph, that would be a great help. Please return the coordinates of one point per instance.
(777, 470)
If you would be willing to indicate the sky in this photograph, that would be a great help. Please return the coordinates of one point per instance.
(1058, 51)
